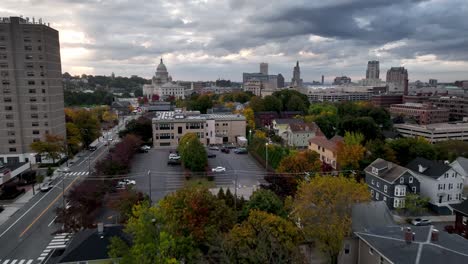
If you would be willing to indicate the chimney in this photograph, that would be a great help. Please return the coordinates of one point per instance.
(409, 236)
(434, 235)
(100, 228)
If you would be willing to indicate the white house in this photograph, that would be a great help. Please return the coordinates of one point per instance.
(461, 166)
(442, 184)
(298, 134)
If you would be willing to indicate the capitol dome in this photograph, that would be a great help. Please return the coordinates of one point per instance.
(161, 67)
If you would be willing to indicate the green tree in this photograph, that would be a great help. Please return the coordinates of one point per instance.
(52, 147)
(257, 104)
(73, 138)
(192, 152)
(407, 149)
(88, 124)
(272, 103)
(415, 204)
(296, 103)
(323, 208)
(140, 127)
(264, 200)
(380, 149)
(286, 94)
(263, 238)
(451, 149)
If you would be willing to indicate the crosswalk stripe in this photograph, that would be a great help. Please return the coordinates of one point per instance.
(46, 250)
(21, 261)
(6, 261)
(13, 261)
(56, 243)
(56, 246)
(40, 258)
(44, 254)
(29, 261)
(60, 240)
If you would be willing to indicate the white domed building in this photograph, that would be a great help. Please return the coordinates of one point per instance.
(162, 85)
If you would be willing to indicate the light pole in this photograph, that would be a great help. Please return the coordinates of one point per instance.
(149, 183)
(250, 135)
(266, 154)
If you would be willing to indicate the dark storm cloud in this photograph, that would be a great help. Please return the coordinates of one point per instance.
(333, 36)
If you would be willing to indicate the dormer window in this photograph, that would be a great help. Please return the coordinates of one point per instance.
(375, 171)
(402, 180)
(411, 179)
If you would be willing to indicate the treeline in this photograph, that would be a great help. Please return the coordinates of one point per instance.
(99, 97)
(94, 81)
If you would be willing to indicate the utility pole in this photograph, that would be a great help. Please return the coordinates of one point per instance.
(235, 191)
(149, 182)
(266, 153)
(63, 190)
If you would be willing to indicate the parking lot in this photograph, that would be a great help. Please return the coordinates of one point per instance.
(165, 178)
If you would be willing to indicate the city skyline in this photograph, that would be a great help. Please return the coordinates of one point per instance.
(207, 40)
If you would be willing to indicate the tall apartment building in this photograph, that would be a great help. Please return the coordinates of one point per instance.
(280, 81)
(31, 92)
(373, 70)
(264, 68)
(397, 80)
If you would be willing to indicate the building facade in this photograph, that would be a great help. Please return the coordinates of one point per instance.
(280, 81)
(264, 68)
(390, 182)
(435, 132)
(422, 114)
(458, 106)
(169, 127)
(385, 100)
(342, 80)
(373, 70)
(397, 80)
(31, 91)
(162, 87)
(327, 149)
(337, 97)
(299, 134)
(296, 81)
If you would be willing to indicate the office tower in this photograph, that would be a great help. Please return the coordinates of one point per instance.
(31, 92)
(323, 79)
(433, 82)
(397, 80)
(280, 80)
(342, 80)
(296, 81)
(373, 70)
(264, 68)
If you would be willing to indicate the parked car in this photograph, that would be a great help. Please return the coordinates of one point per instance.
(173, 162)
(225, 150)
(421, 222)
(211, 155)
(218, 169)
(122, 184)
(46, 186)
(240, 151)
(174, 156)
(214, 148)
(146, 147)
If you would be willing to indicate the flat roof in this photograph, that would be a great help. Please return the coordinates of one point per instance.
(436, 126)
(194, 116)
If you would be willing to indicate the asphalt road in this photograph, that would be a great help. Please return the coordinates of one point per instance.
(27, 236)
(164, 178)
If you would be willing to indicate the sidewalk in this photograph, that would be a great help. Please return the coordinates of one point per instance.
(12, 207)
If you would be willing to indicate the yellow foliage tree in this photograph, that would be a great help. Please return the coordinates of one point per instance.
(299, 162)
(323, 208)
(351, 152)
(109, 116)
(249, 116)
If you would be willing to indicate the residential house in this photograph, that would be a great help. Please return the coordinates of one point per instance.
(265, 119)
(91, 246)
(461, 218)
(281, 125)
(442, 184)
(298, 134)
(122, 107)
(327, 149)
(461, 166)
(390, 182)
(418, 245)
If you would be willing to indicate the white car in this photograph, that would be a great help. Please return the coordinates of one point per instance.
(146, 147)
(46, 186)
(125, 182)
(218, 169)
(214, 148)
(174, 156)
(421, 222)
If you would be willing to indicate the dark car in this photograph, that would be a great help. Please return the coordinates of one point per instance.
(240, 151)
(225, 150)
(211, 155)
(173, 162)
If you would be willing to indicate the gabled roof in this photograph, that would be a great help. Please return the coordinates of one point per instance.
(390, 242)
(305, 127)
(329, 144)
(89, 245)
(370, 215)
(388, 171)
(463, 162)
(431, 168)
(287, 121)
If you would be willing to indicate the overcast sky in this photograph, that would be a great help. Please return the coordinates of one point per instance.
(211, 39)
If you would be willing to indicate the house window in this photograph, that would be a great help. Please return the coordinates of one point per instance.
(385, 188)
(385, 198)
(11, 141)
(402, 180)
(382, 260)
(413, 189)
(411, 179)
(377, 196)
(378, 184)
(7, 99)
(450, 186)
(31, 82)
(449, 197)
(346, 248)
(8, 108)
(446, 175)
(12, 149)
(11, 133)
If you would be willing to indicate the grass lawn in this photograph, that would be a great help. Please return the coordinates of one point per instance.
(193, 182)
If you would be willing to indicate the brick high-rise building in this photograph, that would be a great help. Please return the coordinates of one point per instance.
(397, 80)
(373, 70)
(31, 92)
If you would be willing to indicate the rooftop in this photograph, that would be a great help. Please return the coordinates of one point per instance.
(390, 242)
(286, 121)
(305, 127)
(331, 144)
(388, 171)
(194, 115)
(461, 207)
(436, 126)
(430, 168)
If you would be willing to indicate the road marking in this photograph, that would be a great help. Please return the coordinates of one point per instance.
(13, 261)
(21, 261)
(48, 207)
(6, 261)
(29, 261)
(56, 246)
(51, 222)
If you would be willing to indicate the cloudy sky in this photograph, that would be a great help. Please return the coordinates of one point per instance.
(210, 39)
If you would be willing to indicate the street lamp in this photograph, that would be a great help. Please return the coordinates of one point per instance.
(266, 154)
(250, 135)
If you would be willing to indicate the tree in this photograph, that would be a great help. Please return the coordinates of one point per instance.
(296, 103)
(140, 127)
(195, 218)
(323, 208)
(150, 243)
(52, 147)
(407, 149)
(300, 162)
(286, 94)
(264, 238)
(125, 201)
(109, 117)
(364, 125)
(264, 200)
(380, 149)
(88, 124)
(257, 104)
(415, 204)
(249, 116)
(351, 152)
(327, 125)
(73, 137)
(272, 103)
(192, 152)
(451, 149)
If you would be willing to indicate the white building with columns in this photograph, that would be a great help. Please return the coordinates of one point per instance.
(162, 85)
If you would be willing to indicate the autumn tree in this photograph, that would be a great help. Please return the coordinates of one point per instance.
(263, 238)
(140, 127)
(300, 162)
(88, 124)
(73, 138)
(192, 152)
(52, 147)
(264, 200)
(350, 151)
(323, 208)
(124, 201)
(249, 116)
